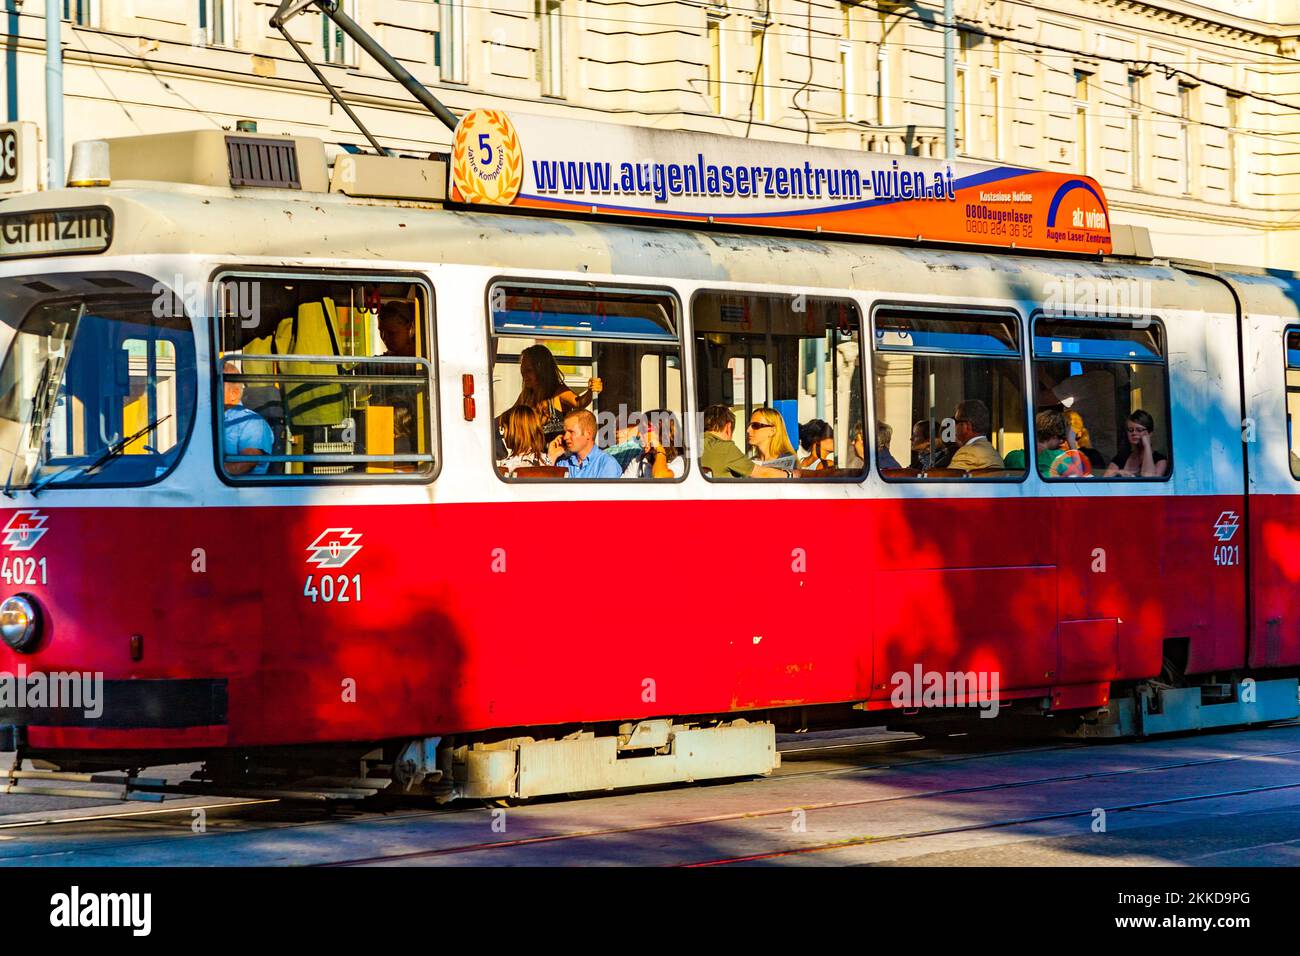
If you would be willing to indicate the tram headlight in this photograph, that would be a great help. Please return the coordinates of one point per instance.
(20, 622)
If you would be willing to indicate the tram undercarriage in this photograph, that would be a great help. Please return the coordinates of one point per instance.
(529, 763)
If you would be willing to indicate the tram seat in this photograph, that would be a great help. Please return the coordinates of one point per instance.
(503, 471)
(994, 473)
(540, 471)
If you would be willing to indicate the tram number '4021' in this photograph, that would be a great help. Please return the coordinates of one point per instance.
(333, 589)
(1227, 555)
(23, 571)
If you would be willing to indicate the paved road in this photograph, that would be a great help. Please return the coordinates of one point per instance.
(1222, 799)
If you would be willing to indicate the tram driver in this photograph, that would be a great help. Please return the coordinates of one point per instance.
(243, 431)
(397, 330)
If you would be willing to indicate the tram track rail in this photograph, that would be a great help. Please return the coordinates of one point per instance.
(845, 804)
(359, 814)
(990, 825)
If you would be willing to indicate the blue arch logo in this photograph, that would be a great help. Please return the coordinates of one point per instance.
(1068, 187)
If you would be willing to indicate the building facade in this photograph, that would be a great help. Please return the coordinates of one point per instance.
(1186, 115)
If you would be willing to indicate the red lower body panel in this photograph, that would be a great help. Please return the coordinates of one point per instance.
(473, 616)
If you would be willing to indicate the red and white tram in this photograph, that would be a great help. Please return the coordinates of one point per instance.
(374, 593)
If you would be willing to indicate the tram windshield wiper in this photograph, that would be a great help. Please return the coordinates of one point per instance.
(114, 450)
(31, 427)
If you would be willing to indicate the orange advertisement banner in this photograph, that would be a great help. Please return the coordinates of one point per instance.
(606, 170)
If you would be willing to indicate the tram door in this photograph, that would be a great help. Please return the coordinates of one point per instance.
(1272, 346)
(964, 570)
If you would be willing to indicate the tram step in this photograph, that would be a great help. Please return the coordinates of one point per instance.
(1188, 708)
(533, 768)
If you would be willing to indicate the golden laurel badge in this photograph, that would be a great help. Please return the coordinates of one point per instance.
(487, 161)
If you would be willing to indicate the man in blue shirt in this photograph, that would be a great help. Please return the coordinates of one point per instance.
(584, 459)
(243, 431)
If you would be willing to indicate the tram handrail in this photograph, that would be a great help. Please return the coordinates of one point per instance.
(422, 377)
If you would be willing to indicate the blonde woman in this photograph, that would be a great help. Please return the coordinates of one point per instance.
(521, 433)
(768, 439)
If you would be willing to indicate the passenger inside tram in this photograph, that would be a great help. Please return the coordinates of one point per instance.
(545, 392)
(651, 447)
(927, 454)
(719, 453)
(582, 457)
(769, 443)
(1136, 458)
(817, 439)
(884, 435)
(525, 443)
(972, 422)
(243, 431)
(1057, 455)
(1083, 441)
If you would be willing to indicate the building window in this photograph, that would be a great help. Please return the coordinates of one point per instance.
(217, 22)
(884, 89)
(848, 73)
(784, 371)
(1238, 159)
(611, 355)
(550, 47)
(366, 415)
(765, 54)
(848, 89)
(962, 93)
(81, 13)
(715, 84)
(1082, 97)
(1134, 119)
(1186, 92)
(449, 45)
(995, 99)
(336, 46)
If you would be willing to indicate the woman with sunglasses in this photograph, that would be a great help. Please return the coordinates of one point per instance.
(768, 440)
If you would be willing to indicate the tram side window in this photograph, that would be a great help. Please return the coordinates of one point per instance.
(1106, 381)
(949, 395)
(324, 379)
(1293, 396)
(586, 382)
(779, 383)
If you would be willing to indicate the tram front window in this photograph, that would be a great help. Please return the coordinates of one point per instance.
(98, 387)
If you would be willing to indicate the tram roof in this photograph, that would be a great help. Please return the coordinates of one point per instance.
(299, 228)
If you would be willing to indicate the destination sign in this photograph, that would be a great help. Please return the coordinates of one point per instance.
(55, 232)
